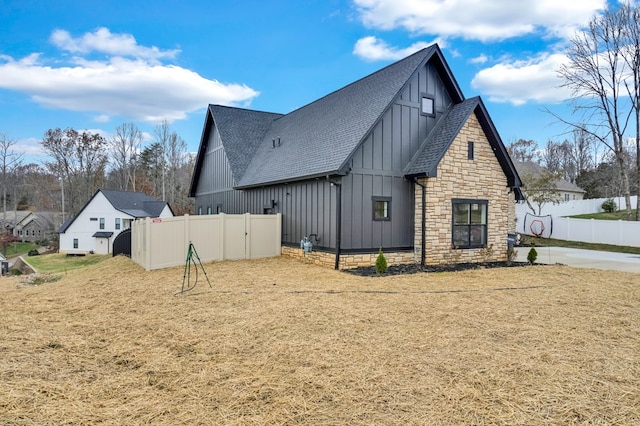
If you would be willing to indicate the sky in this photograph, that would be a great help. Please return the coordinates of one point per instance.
(93, 65)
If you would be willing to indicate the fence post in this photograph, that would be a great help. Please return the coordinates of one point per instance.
(279, 233)
(186, 236)
(247, 235)
(221, 241)
(147, 243)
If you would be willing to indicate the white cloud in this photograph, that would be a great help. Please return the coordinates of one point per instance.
(518, 82)
(478, 20)
(373, 49)
(103, 41)
(30, 148)
(479, 59)
(130, 83)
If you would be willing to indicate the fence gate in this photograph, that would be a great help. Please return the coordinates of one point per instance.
(122, 243)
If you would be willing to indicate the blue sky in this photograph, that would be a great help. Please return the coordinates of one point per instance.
(92, 65)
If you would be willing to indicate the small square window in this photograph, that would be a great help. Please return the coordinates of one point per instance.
(381, 208)
(427, 106)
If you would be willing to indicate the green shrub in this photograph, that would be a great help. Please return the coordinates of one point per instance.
(609, 205)
(33, 252)
(381, 263)
(532, 256)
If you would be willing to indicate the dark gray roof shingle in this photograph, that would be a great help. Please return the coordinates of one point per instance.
(318, 138)
(241, 131)
(437, 143)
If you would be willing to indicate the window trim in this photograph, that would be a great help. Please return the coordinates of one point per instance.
(377, 199)
(432, 98)
(469, 202)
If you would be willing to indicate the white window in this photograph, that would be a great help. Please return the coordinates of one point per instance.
(427, 106)
(381, 208)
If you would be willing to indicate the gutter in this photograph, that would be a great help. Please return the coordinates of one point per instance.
(338, 221)
(424, 221)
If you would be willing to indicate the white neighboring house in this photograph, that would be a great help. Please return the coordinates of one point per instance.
(106, 215)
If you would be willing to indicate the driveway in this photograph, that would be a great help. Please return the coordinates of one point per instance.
(583, 258)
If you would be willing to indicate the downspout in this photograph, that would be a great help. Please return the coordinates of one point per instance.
(424, 221)
(338, 221)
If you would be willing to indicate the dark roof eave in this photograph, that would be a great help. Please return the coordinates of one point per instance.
(204, 138)
(317, 176)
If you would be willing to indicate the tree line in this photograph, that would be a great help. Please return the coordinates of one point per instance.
(603, 76)
(602, 151)
(80, 162)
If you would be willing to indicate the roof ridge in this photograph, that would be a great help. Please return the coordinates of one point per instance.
(405, 59)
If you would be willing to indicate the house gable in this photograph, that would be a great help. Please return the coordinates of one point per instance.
(428, 158)
(458, 177)
(107, 211)
(326, 166)
(237, 133)
(215, 173)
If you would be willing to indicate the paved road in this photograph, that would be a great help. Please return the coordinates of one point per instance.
(584, 258)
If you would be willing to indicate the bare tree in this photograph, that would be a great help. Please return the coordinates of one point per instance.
(523, 150)
(568, 158)
(10, 160)
(631, 17)
(79, 160)
(554, 157)
(596, 73)
(125, 144)
(163, 135)
(172, 152)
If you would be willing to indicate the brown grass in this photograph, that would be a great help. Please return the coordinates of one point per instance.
(279, 342)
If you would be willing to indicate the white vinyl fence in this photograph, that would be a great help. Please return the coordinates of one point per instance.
(162, 243)
(616, 232)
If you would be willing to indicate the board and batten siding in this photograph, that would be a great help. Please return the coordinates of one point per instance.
(377, 168)
(216, 180)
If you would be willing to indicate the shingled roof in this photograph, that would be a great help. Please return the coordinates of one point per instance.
(529, 168)
(134, 204)
(317, 139)
(426, 160)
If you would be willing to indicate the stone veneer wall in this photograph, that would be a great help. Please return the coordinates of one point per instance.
(458, 177)
(347, 260)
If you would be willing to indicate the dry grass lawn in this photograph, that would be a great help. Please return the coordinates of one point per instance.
(279, 342)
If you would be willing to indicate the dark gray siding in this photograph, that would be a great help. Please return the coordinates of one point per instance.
(377, 168)
(306, 208)
(216, 181)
